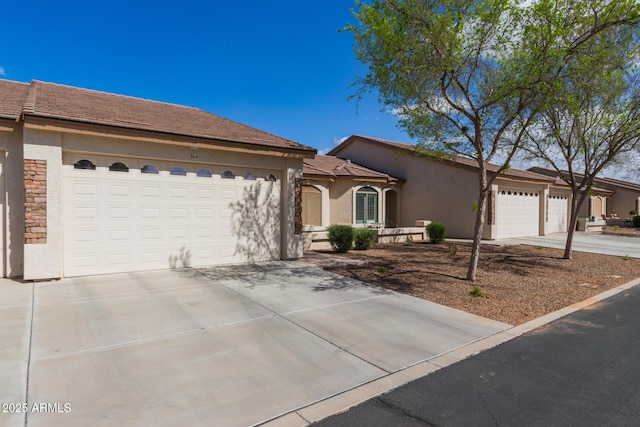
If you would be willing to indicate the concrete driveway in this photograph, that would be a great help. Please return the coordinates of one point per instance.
(584, 242)
(223, 346)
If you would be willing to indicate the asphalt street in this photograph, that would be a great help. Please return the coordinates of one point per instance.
(580, 370)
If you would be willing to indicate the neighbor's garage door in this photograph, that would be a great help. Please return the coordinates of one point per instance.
(517, 213)
(558, 209)
(120, 221)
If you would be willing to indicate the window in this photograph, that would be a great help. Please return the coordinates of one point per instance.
(149, 169)
(311, 205)
(84, 164)
(366, 206)
(118, 167)
(177, 170)
(228, 175)
(204, 173)
(249, 176)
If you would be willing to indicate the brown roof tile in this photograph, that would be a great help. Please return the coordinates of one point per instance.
(599, 184)
(88, 106)
(12, 98)
(463, 161)
(332, 166)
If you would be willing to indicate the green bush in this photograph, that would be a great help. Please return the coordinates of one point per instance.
(437, 232)
(341, 237)
(364, 239)
(636, 220)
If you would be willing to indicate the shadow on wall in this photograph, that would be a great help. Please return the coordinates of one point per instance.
(256, 222)
(181, 259)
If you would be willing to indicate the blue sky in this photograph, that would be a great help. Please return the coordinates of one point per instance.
(283, 66)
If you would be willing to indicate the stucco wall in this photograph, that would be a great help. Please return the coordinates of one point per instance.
(427, 184)
(622, 202)
(341, 196)
(12, 175)
(44, 261)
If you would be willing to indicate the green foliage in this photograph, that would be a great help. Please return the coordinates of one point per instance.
(626, 257)
(471, 78)
(476, 292)
(364, 238)
(538, 247)
(453, 250)
(475, 206)
(382, 269)
(437, 232)
(636, 220)
(341, 237)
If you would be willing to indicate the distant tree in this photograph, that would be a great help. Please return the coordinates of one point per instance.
(468, 77)
(591, 117)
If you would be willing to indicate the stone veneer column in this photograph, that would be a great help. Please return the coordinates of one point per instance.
(35, 201)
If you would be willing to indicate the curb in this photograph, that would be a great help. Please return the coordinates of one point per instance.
(343, 401)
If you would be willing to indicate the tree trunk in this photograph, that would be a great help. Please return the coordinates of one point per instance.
(477, 231)
(576, 204)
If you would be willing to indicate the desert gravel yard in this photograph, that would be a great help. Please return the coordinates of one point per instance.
(517, 283)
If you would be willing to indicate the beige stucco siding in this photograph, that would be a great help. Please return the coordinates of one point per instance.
(427, 184)
(341, 196)
(622, 202)
(11, 145)
(44, 261)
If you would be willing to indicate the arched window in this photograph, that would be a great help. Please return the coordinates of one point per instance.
(311, 205)
(228, 175)
(204, 173)
(366, 206)
(149, 169)
(84, 164)
(177, 170)
(249, 176)
(271, 178)
(118, 167)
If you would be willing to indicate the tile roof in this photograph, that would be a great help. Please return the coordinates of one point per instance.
(13, 96)
(333, 167)
(459, 160)
(62, 102)
(599, 183)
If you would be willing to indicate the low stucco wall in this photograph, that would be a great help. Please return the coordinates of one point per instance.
(317, 239)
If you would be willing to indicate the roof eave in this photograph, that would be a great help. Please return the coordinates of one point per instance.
(77, 126)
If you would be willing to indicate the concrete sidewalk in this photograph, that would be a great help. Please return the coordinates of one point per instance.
(583, 242)
(225, 346)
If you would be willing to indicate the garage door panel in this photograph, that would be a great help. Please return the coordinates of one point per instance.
(558, 213)
(517, 213)
(121, 222)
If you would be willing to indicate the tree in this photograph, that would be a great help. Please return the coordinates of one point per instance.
(592, 117)
(467, 76)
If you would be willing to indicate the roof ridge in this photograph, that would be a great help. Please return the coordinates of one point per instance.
(102, 92)
(30, 102)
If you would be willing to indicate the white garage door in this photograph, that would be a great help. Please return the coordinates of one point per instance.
(558, 209)
(517, 213)
(120, 221)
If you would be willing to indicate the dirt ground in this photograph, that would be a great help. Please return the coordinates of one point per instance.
(517, 283)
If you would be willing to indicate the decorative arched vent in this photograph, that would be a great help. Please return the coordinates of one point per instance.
(119, 167)
(84, 164)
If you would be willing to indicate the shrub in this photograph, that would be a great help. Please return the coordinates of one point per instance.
(636, 220)
(341, 237)
(437, 232)
(363, 239)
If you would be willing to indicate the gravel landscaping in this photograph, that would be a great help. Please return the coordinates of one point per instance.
(516, 283)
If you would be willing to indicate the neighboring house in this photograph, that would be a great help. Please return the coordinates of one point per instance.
(337, 191)
(608, 196)
(101, 183)
(521, 203)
